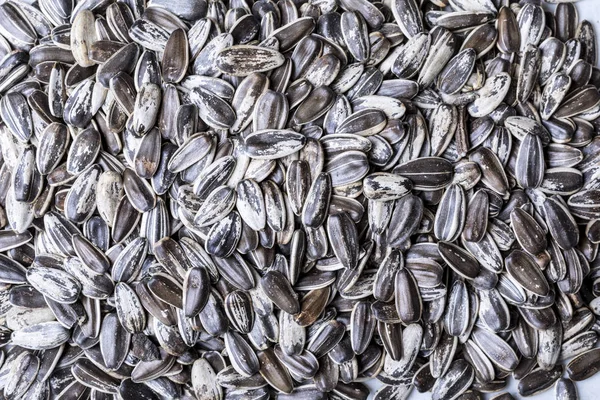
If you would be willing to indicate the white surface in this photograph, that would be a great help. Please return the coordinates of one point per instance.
(590, 388)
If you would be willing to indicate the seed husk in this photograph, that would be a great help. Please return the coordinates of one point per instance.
(223, 200)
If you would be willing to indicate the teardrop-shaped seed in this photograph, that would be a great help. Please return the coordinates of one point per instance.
(408, 298)
(523, 268)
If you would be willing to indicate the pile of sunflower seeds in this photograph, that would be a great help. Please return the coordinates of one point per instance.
(291, 199)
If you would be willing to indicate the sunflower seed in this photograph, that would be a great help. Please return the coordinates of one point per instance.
(319, 154)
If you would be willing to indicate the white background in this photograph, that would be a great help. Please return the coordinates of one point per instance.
(590, 388)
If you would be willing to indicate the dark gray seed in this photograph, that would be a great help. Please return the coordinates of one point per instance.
(90, 375)
(493, 174)
(408, 299)
(26, 296)
(270, 111)
(289, 35)
(528, 232)
(343, 238)
(277, 288)
(561, 223)
(175, 58)
(166, 289)
(539, 380)
(362, 327)
(523, 269)
(128, 388)
(316, 104)
(236, 271)
(566, 21)
(114, 341)
(476, 219)
(401, 228)
(584, 365)
(579, 100)
(508, 31)
(213, 316)
(274, 372)
(123, 60)
(90, 254)
(383, 286)
(542, 318)
(195, 291)
(458, 70)
(529, 169)
(125, 220)
(587, 37)
(428, 173)
(128, 264)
